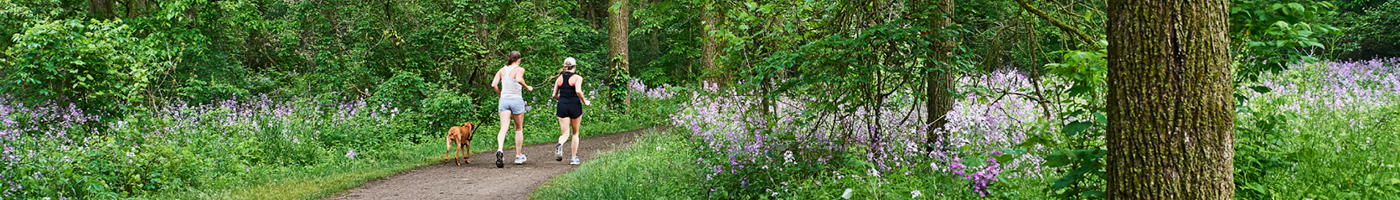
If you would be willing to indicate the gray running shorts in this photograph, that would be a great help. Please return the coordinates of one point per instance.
(516, 106)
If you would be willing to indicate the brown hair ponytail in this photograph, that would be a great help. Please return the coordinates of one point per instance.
(514, 57)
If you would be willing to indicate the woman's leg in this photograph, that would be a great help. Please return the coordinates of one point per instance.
(576, 122)
(563, 136)
(519, 133)
(563, 130)
(501, 137)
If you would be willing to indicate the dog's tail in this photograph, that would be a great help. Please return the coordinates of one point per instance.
(471, 129)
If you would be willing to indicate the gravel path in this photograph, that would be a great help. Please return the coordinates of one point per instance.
(481, 179)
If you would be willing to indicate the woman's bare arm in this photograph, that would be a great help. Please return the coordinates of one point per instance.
(496, 80)
(578, 88)
(520, 78)
(555, 92)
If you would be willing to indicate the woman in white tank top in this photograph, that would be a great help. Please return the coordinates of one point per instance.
(510, 106)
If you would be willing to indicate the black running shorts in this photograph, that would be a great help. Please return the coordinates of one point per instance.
(569, 110)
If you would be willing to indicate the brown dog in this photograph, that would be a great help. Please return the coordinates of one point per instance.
(462, 136)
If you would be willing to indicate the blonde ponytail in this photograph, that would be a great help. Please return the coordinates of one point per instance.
(569, 64)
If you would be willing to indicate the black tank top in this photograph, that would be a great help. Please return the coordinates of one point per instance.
(567, 93)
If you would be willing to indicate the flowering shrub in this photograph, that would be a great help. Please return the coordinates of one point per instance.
(746, 152)
(663, 92)
(1361, 85)
(58, 151)
(1313, 123)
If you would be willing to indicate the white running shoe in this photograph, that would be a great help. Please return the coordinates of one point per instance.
(559, 152)
(574, 161)
(520, 159)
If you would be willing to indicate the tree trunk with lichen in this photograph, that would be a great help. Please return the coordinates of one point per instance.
(1170, 103)
(940, 79)
(709, 52)
(617, 49)
(100, 9)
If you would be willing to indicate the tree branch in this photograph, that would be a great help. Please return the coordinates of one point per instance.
(1063, 27)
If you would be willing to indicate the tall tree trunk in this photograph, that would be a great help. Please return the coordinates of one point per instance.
(100, 9)
(709, 53)
(617, 43)
(941, 78)
(1170, 104)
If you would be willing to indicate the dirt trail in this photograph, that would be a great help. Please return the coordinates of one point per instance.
(481, 179)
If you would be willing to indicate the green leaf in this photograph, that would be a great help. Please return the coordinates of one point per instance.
(973, 161)
(1076, 113)
(1057, 159)
(1296, 7)
(1070, 178)
(1004, 158)
(1092, 193)
(1033, 140)
(1261, 89)
(1088, 154)
(1076, 127)
(1312, 44)
(1098, 117)
(1078, 89)
(1063, 182)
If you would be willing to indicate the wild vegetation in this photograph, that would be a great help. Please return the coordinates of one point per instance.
(818, 99)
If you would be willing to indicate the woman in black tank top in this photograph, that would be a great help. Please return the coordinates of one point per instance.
(568, 90)
(568, 95)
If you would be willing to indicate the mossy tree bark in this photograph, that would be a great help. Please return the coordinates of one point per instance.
(710, 50)
(100, 9)
(1170, 103)
(940, 79)
(617, 44)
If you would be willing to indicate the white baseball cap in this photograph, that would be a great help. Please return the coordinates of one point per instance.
(569, 61)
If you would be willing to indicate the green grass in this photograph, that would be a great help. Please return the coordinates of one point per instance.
(659, 165)
(318, 180)
(327, 179)
(1296, 146)
(1325, 154)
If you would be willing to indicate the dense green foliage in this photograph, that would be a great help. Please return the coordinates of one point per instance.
(201, 51)
(1369, 28)
(205, 99)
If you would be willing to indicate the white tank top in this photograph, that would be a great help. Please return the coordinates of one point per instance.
(509, 87)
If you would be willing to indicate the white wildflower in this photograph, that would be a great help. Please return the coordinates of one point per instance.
(787, 157)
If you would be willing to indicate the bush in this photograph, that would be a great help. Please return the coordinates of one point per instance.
(95, 64)
(403, 90)
(1372, 33)
(448, 108)
(55, 151)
